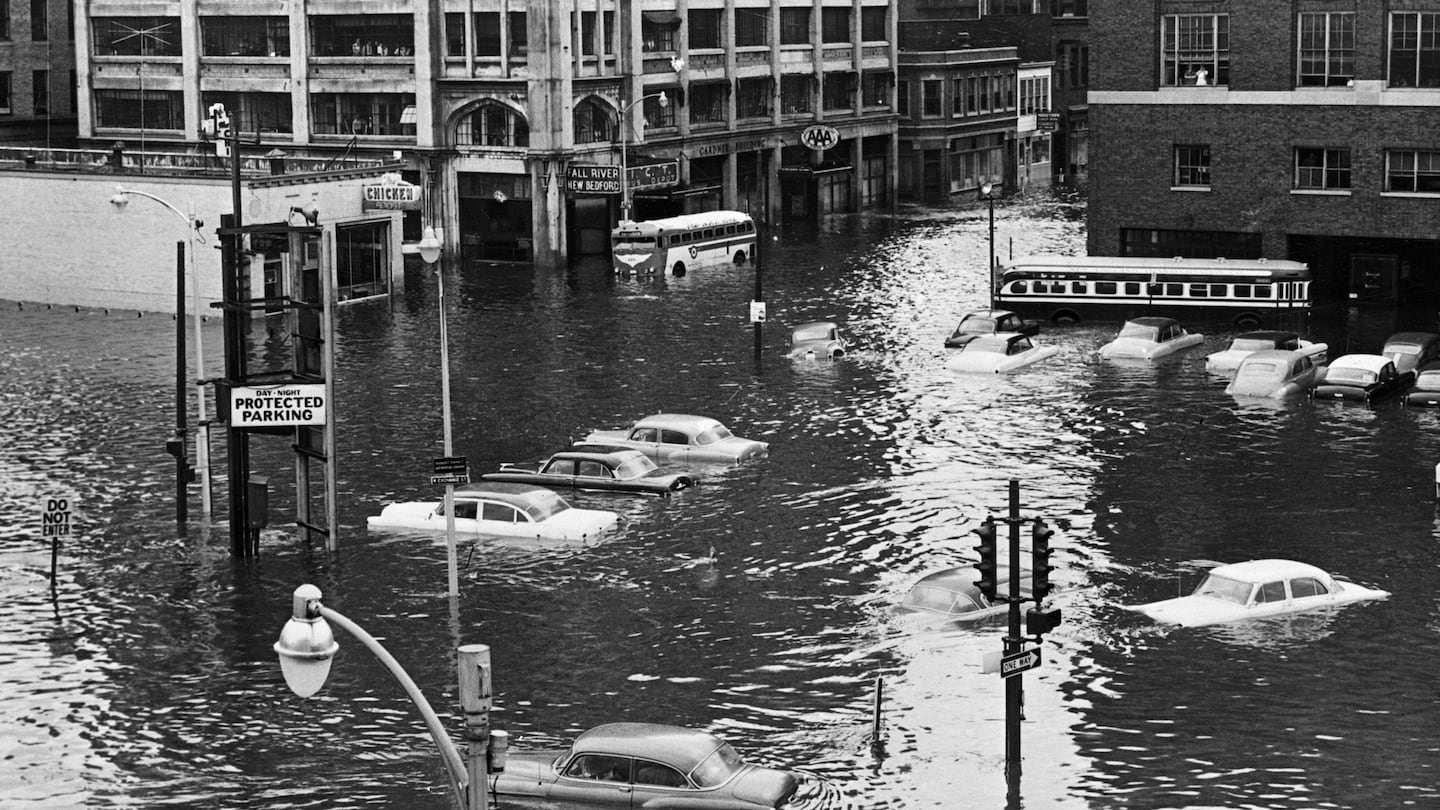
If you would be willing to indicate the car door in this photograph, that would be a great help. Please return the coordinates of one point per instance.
(675, 445)
(595, 780)
(659, 785)
(499, 518)
(1270, 599)
(1309, 593)
(560, 472)
(647, 441)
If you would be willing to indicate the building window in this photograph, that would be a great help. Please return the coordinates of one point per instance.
(835, 25)
(1414, 50)
(4, 20)
(930, 92)
(796, 94)
(519, 34)
(137, 36)
(1327, 49)
(657, 31)
(1190, 244)
(39, 20)
(1072, 65)
(872, 24)
(839, 91)
(976, 160)
(1196, 50)
(487, 34)
(707, 103)
(1192, 166)
(362, 260)
(4, 92)
(40, 90)
(752, 98)
(752, 27)
(1010, 7)
(362, 34)
(875, 89)
(593, 123)
(794, 26)
(660, 116)
(255, 112)
(1069, 8)
(492, 124)
(1322, 168)
(245, 36)
(1034, 94)
(902, 99)
(454, 34)
(1412, 170)
(155, 109)
(704, 25)
(361, 113)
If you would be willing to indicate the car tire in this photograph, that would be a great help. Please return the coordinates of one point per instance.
(1065, 316)
(1247, 322)
(678, 269)
(739, 258)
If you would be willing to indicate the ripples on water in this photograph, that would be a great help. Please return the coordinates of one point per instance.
(758, 604)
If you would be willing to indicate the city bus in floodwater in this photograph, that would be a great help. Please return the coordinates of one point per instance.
(1251, 293)
(683, 243)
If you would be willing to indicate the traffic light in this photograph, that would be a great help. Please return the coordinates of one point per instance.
(1040, 566)
(1038, 622)
(217, 126)
(987, 583)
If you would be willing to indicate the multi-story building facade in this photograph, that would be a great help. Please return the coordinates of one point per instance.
(1301, 131)
(37, 72)
(493, 105)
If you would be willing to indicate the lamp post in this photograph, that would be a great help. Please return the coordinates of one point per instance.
(307, 646)
(120, 200)
(624, 151)
(987, 193)
(430, 250)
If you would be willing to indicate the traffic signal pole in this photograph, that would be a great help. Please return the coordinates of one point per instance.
(1014, 685)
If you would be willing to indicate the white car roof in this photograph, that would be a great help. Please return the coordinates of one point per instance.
(1373, 363)
(1268, 570)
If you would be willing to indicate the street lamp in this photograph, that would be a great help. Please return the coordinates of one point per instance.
(120, 200)
(430, 250)
(987, 193)
(624, 154)
(307, 646)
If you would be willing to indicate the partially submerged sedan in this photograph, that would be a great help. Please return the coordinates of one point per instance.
(643, 765)
(1411, 350)
(1274, 373)
(1008, 351)
(989, 322)
(952, 596)
(599, 467)
(1255, 590)
(1150, 338)
(681, 438)
(1362, 378)
(502, 509)
(1247, 343)
(1426, 393)
(819, 340)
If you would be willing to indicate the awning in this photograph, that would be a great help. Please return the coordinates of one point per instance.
(661, 17)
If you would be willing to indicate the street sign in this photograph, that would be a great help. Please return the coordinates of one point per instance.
(585, 179)
(55, 518)
(654, 175)
(1047, 121)
(451, 470)
(284, 405)
(1016, 663)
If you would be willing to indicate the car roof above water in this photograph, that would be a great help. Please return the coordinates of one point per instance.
(684, 747)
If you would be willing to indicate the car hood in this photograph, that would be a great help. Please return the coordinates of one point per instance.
(1190, 611)
(577, 523)
(766, 787)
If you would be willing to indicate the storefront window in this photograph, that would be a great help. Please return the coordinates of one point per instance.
(362, 260)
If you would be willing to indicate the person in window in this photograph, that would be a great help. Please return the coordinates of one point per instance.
(1202, 77)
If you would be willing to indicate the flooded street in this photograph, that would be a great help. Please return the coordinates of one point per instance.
(758, 605)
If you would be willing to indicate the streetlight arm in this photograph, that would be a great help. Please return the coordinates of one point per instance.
(122, 191)
(459, 777)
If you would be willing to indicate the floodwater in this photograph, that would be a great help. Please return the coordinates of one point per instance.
(758, 605)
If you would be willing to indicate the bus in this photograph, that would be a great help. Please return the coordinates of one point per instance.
(1251, 293)
(683, 243)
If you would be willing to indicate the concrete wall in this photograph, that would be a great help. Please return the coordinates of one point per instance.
(66, 244)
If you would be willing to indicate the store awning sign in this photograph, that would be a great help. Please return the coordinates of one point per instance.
(391, 196)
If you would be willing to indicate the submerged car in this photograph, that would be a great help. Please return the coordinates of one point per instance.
(643, 765)
(952, 596)
(611, 469)
(1007, 351)
(504, 509)
(989, 322)
(1426, 392)
(1274, 373)
(816, 340)
(1411, 350)
(1247, 343)
(1150, 338)
(681, 438)
(1362, 378)
(1255, 590)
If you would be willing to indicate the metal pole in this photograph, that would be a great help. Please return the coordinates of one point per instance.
(760, 237)
(475, 700)
(624, 165)
(1014, 685)
(202, 423)
(182, 461)
(450, 554)
(990, 266)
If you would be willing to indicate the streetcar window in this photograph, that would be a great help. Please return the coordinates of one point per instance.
(1218, 290)
(1176, 290)
(1262, 292)
(1241, 291)
(1105, 287)
(1132, 288)
(1199, 290)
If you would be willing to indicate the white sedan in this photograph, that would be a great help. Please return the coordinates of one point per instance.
(1150, 338)
(1247, 343)
(1274, 373)
(1002, 352)
(1257, 589)
(502, 509)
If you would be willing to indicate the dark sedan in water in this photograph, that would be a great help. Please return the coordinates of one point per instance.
(1363, 378)
(643, 765)
(989, 322)
(611, 469)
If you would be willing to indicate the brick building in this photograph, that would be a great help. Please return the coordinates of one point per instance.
(37, 72)
(1295, 131)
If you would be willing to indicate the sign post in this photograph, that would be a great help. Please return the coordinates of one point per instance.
(54, 524)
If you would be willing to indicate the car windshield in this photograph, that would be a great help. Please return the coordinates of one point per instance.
(1227, 590)
(634, 467)
(974, 323)
(1346, 374)
(635, 243)
(713, 435)
(1251, 344)
(718, 768)
(544, 505)
(1139, 331)
(816, 332)
(928, 598)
